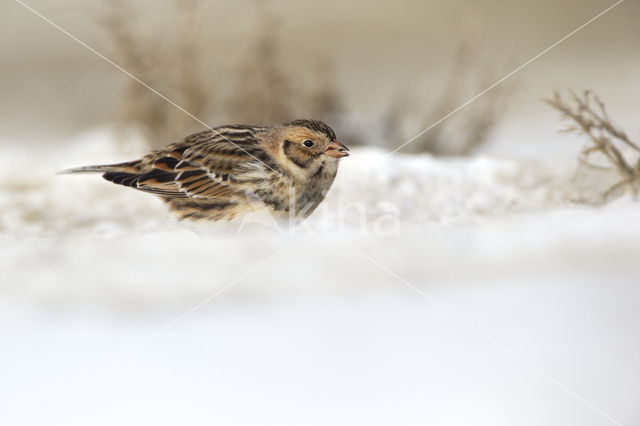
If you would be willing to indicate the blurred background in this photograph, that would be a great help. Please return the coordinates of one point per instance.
(483, 274)
(379, 66)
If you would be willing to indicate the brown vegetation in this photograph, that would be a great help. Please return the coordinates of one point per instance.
(176, 69)
(265, 88)
(467, 130)
(610, 149)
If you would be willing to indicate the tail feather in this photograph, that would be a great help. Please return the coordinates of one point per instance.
(85, 169)
(129, 167)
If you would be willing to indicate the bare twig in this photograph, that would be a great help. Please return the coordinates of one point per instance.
(589, 117)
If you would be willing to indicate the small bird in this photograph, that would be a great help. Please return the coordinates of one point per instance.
(220, 173)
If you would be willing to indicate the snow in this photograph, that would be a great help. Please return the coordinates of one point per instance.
(526, 307)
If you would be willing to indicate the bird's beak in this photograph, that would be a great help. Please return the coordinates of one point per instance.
(336, 150)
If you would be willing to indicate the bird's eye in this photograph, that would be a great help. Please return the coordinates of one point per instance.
(308, 143)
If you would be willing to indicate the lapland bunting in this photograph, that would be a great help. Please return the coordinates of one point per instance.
(218, 174)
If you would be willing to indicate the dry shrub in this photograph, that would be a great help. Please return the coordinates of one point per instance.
(609, 148)
(268, 90)
(324, 99)
(262, 92)
(265, 89)
(465, 131)
(176, 68)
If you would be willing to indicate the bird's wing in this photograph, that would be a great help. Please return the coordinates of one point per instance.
(205, 166)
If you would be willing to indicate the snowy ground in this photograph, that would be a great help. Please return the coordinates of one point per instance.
(424, 291)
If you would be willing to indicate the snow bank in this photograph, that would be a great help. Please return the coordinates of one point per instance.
(111, 313)
(80, 240)
(420, 189)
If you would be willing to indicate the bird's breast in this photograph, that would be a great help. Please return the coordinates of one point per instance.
(316, 188)
(288, 197)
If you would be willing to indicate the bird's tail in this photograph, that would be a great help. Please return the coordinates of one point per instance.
(120, 167)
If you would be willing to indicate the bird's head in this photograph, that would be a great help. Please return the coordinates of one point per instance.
(304, 145)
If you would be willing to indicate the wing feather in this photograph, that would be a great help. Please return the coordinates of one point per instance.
(208, 167)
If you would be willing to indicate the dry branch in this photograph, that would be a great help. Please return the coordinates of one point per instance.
(588, 116)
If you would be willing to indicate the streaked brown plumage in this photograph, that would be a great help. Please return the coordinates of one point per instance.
(219, 174)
